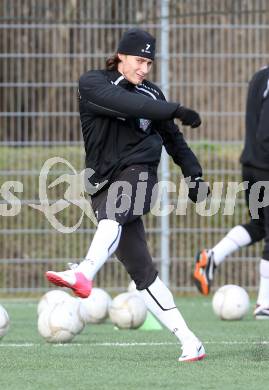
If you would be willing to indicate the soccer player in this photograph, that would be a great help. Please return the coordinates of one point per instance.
(125, 121)
(255, 169)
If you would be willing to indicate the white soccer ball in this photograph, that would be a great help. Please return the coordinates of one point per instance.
(61, 322)
(230, 302)
(51, 298)
(4, 321)
(94, 309)
(127, 311)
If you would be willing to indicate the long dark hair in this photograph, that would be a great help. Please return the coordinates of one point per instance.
(112, 62)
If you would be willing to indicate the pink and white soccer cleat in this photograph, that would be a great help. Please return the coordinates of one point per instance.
(192, 351)
(75, 280)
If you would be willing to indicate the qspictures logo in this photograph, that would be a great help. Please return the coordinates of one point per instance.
(78, 185)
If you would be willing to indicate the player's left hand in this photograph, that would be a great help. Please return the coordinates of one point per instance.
(188, 117)
(199, 190)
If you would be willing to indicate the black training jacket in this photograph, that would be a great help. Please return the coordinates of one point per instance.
(124, 124)
(256, 148)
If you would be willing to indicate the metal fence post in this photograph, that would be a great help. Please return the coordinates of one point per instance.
(165, 253)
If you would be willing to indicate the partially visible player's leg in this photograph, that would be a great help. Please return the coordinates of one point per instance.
(262, 307)
(245, 234)
(239, 236)
(134, 254)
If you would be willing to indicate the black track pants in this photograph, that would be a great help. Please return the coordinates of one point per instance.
(127, 198)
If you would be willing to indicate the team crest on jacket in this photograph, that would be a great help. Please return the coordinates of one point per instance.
(144, 124)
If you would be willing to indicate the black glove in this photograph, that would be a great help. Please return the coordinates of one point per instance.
(188, 116)
(198, 189)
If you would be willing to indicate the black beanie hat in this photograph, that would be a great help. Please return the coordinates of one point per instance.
(136, 42)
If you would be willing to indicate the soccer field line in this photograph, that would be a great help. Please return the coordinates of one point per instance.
(131, 344)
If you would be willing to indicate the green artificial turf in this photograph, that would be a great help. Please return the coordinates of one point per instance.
(103, 358)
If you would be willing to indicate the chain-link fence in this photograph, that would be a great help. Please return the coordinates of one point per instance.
(45, 45)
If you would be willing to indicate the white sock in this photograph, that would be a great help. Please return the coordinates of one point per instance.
(160, 302)
(103, 245)
(263, 296)
(235, 239)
